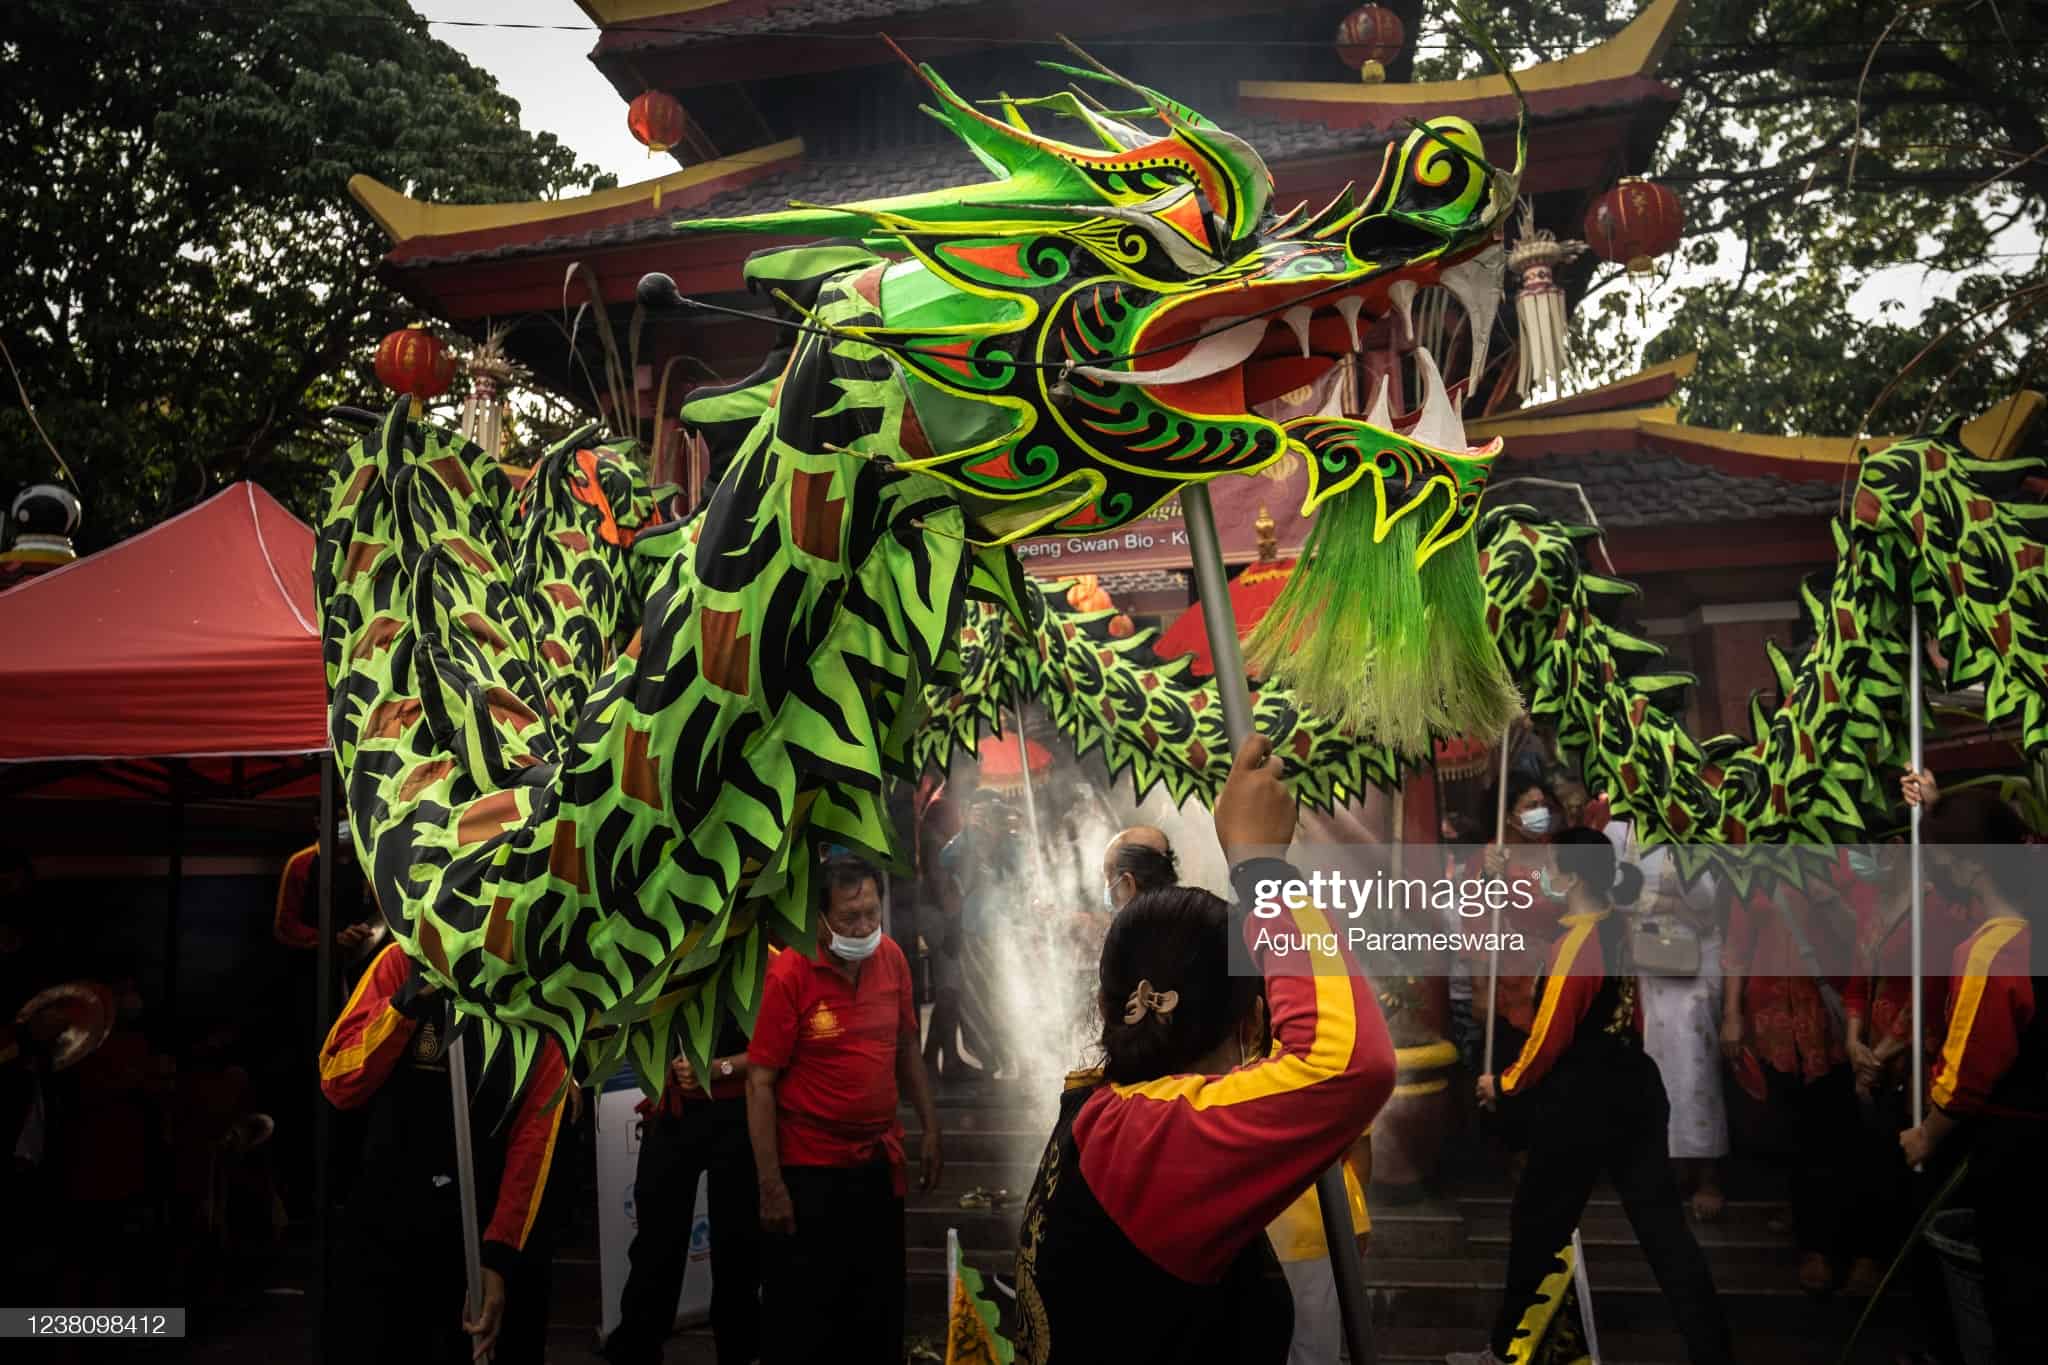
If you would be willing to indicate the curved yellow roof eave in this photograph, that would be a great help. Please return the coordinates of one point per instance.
(404, 218)
(605, 13)
(1635, 51)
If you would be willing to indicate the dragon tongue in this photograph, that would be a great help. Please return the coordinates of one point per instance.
(1439, 425)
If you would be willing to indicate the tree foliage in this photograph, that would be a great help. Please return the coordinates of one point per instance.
(1816, 142)
(190, 284)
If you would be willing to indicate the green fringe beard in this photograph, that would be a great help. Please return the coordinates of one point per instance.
(1379, 648)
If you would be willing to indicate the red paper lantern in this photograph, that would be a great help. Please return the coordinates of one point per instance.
(1369, 38)
(657, 120)
(415, 362)
(1633, 222)
(1121, 627)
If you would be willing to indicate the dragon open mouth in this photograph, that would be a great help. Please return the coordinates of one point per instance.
(1283, 356)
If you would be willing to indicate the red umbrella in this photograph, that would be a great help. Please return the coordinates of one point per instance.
(999, 762)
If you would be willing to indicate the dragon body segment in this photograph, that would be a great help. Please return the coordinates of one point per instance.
(595, 760)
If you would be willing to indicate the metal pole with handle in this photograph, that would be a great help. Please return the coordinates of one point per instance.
(1919, 808)
(1585, 1287)
(465, 1176)
(1338, 1233)
(1500, 840)
(1030, 798)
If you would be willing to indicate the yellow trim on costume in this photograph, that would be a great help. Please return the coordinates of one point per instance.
(540, 1186)
(1336, 1037)
(1990, 942)
(1582, 927)
(1413, 1089)
(351, 1058)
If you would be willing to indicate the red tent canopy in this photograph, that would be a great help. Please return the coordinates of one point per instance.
(196, 639)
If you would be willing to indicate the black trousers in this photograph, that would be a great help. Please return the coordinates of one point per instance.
(2008, 1188)
(833, 1292)
(1615, 1123)
(709, 1139)
(400, 1282)
(1832, 1211)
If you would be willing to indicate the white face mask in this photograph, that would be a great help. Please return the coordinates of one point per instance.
(1536, 821)
(856, 949)
(1109, 897)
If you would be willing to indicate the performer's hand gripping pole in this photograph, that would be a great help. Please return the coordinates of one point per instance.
(465, 1175)
(1338, 1233)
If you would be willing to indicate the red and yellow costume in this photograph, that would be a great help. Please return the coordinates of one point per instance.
(401, 1251)
(1143, 1233)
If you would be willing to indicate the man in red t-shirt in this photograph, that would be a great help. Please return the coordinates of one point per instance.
(835, 1037)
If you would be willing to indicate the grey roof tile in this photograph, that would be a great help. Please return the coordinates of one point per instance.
(790, 18)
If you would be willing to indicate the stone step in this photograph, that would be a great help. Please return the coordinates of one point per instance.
(1422, 1309)
(1741, 1236)
(1008, 1146)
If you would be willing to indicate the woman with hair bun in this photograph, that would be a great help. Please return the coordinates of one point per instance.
(1223, 1094)
(1594, 1103)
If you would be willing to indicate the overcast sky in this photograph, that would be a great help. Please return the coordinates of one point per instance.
(550, 74)
(559, 91)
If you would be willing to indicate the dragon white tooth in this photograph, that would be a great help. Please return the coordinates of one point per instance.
(1477, 285)
(1381, 413)
(1297, 319)
(1439, 425)
(1348, 306)
(1402, 295)
(1334, 385)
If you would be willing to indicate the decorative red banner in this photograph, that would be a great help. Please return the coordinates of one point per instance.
(1159, 540)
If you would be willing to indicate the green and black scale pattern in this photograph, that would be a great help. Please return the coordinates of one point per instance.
(610, 874)
(571, 871)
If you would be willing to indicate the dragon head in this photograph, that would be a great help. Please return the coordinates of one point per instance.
(1101, 325)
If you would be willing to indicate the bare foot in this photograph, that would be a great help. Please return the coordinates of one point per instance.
(1816, 1276)
(1707, 1203)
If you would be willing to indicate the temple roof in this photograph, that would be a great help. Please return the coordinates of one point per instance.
(1620, 68)
(637, 24)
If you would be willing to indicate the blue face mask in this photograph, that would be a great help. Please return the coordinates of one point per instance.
(1535, 821)
(1864, 864)
(1109, 898)
(1549, 884)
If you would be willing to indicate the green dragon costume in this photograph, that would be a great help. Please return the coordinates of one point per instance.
(592, 761)
(601, 855)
